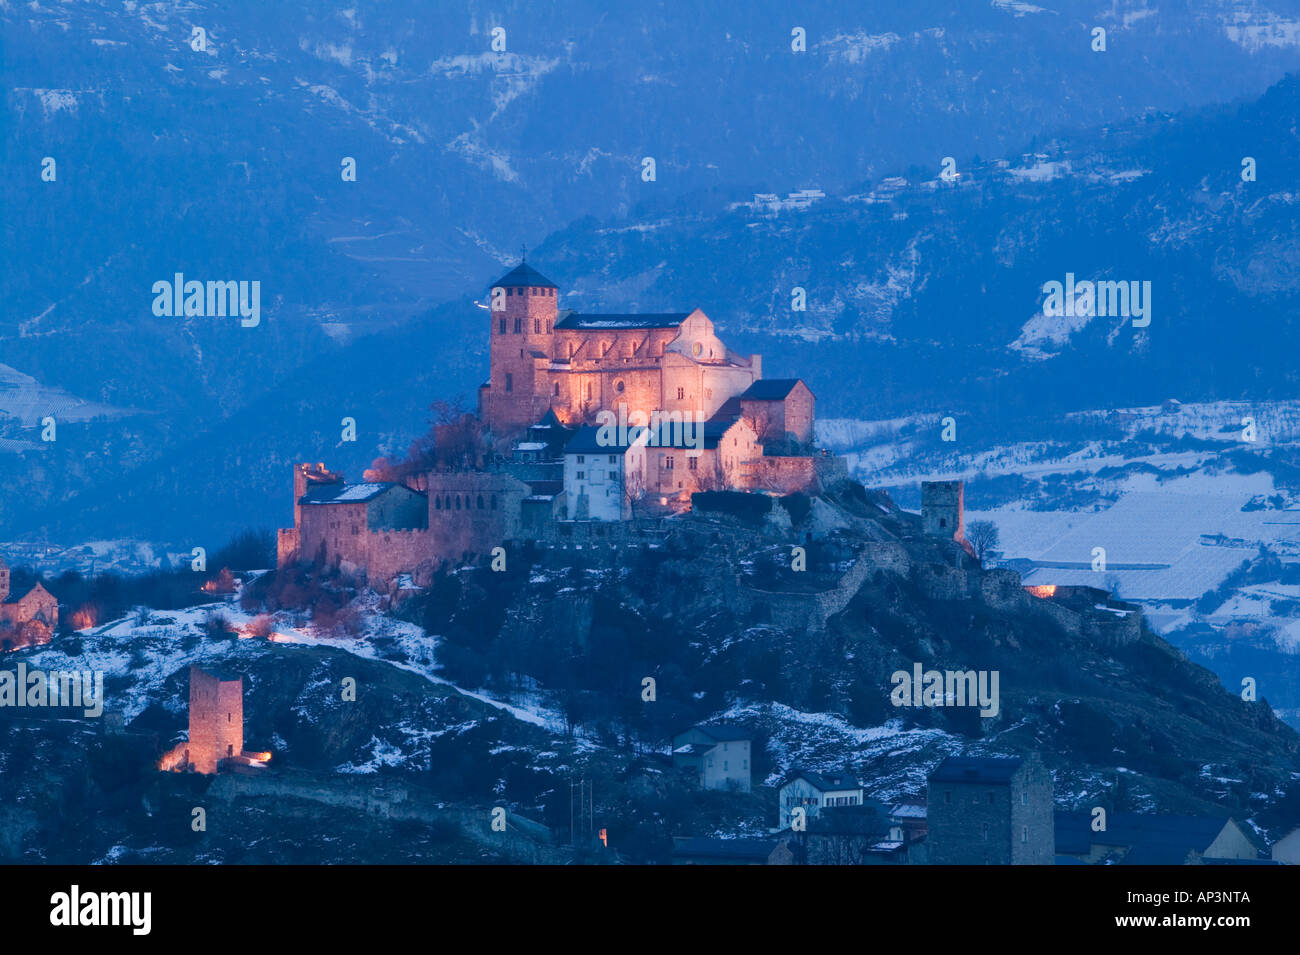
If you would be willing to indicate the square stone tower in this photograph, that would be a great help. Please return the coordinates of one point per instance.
(216, 718)
(4, 580)
(523, 306)
(942, 510)
(991, 811)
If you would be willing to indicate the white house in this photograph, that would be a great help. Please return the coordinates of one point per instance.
(721, 755)
(602, 480)
(814, 791)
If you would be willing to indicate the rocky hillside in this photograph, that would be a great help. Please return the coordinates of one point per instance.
(713, 612)
(510, 688)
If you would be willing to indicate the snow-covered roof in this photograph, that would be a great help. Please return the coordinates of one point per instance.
(345, 493)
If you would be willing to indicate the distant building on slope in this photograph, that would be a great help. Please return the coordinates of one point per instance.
(27, 620)
(720, 754)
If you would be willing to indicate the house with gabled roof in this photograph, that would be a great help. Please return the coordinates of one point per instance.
(720, 753)
(1131, 838)
(813, 792)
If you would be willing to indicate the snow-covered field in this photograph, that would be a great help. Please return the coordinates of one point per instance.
(1156, 488)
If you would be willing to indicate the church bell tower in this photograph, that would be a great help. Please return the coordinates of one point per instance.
(522, 309)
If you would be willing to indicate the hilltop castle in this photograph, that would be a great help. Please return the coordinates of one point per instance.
(28, 620)
(578, 364)
(557, 384)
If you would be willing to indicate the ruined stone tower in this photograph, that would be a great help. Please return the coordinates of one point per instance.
(522, 310)
(216, 718)
(942, 510)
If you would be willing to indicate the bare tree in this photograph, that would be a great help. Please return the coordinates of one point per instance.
(636, 487)
(983, 538)
(708, 473)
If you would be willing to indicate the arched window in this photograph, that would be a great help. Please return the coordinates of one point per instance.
(458, 502)
(557, 389)
(494, 502)
(480, 502)
(437, 504)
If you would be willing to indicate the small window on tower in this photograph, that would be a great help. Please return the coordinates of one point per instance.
(519, 326)
(943, 522)
(681, 394)
(510, 290)
(537, 326)
(557, 389)
(510, 382)
(501, 327)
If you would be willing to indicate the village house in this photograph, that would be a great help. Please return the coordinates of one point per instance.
(28, 620)
(720, 754)
(990, 810)
(602, 482)
(1131, 838)
(815, 791)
